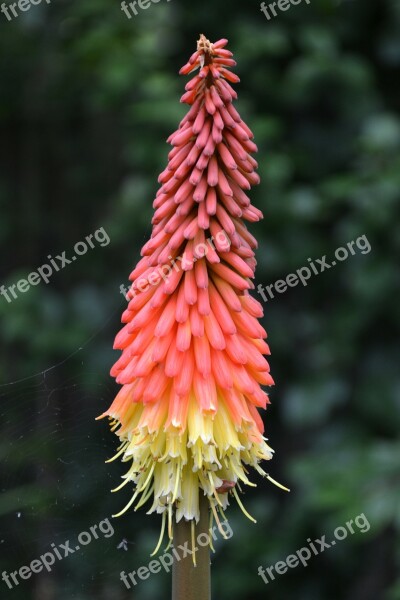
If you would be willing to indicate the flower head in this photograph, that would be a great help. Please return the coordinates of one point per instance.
(193, 350)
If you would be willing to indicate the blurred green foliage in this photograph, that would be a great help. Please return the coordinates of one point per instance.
(87, 99)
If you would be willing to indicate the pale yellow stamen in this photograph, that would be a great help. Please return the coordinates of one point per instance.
(148, 478)
(192, 526)
(242, 507)
(170, 521)
(127, 480)
(169, 545)
(161, 535)
(145, 497)
(222, 532)
(215, 491)
(120, 451)
(177, 477)
(279, 485)
(223, 514)
(210, 531)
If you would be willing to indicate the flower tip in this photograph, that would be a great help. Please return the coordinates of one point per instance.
(101, 416)
(204, 45)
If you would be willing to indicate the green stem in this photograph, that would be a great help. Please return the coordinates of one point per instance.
(191, 582)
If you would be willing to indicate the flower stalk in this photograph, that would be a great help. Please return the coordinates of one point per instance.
(191, 576)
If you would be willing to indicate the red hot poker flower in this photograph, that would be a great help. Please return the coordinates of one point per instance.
(192, 361)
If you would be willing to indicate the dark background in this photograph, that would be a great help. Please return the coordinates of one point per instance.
(87, 100)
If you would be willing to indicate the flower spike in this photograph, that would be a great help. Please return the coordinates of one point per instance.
(193, 352)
